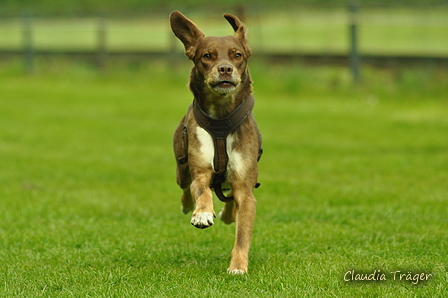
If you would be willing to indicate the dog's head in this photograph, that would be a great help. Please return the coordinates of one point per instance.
(220, 62)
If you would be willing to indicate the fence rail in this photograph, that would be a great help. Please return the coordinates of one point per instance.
(342, 35)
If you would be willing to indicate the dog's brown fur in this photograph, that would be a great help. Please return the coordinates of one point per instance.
(220, 81)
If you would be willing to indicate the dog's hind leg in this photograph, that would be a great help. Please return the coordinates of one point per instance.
(183, 176)
(187, 201)
(228, 212)
(184, 181)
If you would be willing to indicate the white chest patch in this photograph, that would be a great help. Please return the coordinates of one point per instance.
(236, 161)
(207, 151)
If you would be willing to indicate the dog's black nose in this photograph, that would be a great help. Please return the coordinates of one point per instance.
(225, 69)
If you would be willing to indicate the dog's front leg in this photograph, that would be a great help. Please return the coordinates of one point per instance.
(245, 216)
(203, 214)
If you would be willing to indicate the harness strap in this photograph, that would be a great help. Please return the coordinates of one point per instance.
(184, 159)
(217, 181)
(219, 129)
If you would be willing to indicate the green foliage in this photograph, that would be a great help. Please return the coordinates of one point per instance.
(352, 178)
(401, 31)
(120, 6)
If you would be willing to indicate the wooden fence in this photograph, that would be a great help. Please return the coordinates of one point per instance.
(348, 36)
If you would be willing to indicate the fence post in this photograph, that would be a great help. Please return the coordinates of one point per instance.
(101, 42)
(28, 51)
(355, 63)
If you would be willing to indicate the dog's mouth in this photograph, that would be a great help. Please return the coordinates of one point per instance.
(224, 84)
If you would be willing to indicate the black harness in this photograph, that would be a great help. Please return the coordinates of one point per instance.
(219, 129)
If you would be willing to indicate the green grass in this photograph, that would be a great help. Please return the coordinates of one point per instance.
(351, 179)
(284, 29)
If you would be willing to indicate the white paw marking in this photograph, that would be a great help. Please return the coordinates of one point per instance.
(202, 220)
(235, 272)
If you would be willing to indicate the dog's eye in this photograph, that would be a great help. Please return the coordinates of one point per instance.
(238, 55)
(207, 56)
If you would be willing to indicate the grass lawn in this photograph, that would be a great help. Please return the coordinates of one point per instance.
(352, 179)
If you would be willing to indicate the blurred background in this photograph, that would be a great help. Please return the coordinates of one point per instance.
(352, 102)
(318, 32)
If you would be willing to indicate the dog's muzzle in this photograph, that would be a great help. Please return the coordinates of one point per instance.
(224, 87)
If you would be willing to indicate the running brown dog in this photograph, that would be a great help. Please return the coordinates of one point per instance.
(221, 85)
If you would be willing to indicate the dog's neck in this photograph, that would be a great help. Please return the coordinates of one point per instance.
(215, 105)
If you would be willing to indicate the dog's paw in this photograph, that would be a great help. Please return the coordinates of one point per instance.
(236, 272)
(202, 220)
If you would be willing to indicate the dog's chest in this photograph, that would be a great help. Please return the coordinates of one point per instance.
(207, 151)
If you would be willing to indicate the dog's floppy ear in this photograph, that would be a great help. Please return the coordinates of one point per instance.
(240, 30)
(186, 31)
